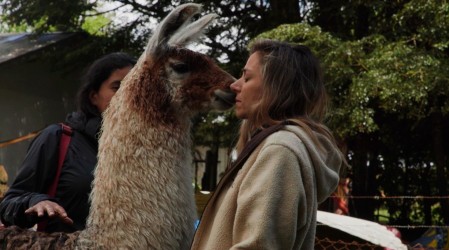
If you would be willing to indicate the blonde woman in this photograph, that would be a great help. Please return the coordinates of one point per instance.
(270, 200)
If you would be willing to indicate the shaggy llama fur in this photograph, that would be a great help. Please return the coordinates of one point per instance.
(142, 196)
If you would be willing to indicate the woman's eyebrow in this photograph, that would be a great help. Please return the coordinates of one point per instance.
(243, 72)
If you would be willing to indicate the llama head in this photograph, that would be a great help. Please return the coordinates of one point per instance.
(169, 79)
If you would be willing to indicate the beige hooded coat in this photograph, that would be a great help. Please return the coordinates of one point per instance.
(272, 202)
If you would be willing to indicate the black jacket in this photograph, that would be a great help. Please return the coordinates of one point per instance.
(38, 172)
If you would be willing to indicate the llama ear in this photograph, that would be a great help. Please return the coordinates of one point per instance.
(191, 32)
(178, 18)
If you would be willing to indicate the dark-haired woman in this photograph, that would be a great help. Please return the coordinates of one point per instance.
(270, 201)
(27, 201)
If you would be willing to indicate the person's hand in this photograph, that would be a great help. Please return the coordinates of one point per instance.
(50, 208)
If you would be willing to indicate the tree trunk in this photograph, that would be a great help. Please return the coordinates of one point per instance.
(363, 182)
(427, 203)
(440, 162)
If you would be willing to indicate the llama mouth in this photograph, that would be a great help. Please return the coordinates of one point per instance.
(224, 99)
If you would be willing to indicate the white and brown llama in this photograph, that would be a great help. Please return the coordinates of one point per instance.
(142, 196)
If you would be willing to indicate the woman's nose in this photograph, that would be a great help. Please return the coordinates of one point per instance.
(235, 86)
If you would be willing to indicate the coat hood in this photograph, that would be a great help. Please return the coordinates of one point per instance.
(327, 161)
(88, 126)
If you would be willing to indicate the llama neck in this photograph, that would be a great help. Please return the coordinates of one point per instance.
(142, 194)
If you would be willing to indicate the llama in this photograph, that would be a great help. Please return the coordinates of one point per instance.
(142, 196)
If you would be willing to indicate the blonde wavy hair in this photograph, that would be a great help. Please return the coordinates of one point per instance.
(292, 89)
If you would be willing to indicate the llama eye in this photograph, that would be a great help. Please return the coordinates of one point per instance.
(180, 68)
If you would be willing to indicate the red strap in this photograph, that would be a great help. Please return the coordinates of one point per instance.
(66, 135)
(63, 146)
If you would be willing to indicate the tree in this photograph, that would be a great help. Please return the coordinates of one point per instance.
(238, 22)
(389, 86)
(386, 65)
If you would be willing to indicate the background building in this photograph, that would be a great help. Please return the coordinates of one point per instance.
(36, 89)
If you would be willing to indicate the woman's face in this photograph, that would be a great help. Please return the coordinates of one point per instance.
(108, 88)
(248, 88)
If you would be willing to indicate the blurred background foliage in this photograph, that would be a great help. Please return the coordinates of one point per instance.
(386, 65)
